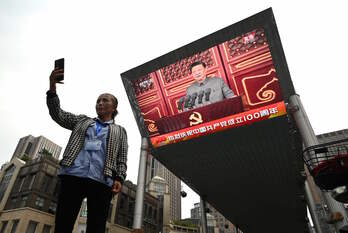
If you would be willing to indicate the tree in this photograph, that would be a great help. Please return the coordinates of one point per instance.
(185, 223)
(45, 153)
(26, 158)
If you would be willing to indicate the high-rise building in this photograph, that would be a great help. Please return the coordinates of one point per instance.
(155, 168)
(224, 225)
(214, 219)
(158, 187)
(333, 136)
(196, 211)
(32, 200)
(33, 147)
(8, 175)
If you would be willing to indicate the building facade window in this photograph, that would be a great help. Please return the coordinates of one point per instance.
(3, 226)
(121, 203)
(129, 224)
(31, 227)
(27, 150)
(159, 187)
(131, 205)
(150, 212)
(46, 229)
(110, 212)
(46, 183)
(84, 208)
(20, 183)
(13, 203)
(40, 202)
(117, 218)
(32, 179)
(24, 201)
(145, 209)
(52, 208)
(14, 225)
(56, 188)
(6, 180)
(155, 214)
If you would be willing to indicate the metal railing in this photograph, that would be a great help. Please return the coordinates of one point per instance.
(328, 163)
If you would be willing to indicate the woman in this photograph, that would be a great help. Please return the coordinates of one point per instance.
(94, 161)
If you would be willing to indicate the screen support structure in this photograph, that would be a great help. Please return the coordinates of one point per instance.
(309, 139)
(203, 216)
(139, 198)
(311, 207)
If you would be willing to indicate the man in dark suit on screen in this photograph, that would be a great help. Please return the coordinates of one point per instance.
(204, 90)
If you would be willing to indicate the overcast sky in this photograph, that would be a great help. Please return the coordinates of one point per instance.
(101, 39)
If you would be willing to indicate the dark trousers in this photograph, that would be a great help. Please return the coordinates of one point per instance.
(72, 192)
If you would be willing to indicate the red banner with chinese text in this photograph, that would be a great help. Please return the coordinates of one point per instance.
(233, 121)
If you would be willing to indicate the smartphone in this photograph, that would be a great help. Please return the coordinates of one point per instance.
(59, 64)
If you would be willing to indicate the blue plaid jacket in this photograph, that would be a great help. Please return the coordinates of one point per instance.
(115, 165)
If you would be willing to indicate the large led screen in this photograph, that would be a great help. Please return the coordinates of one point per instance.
(226, 85)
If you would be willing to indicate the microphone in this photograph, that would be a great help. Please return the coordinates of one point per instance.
(187, 101)
(193, 100)
(207, 94)
(180, 103)
(200, 96)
